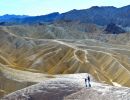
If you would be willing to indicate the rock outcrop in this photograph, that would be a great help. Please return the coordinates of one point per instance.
(113, 28)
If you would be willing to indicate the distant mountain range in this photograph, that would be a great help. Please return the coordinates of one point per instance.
(100, 15)
(18, 19)
(96, 15)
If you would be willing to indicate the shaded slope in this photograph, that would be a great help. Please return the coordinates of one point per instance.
(113, 28)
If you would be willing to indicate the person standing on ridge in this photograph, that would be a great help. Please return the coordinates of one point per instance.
(86, 82)
(89, 81)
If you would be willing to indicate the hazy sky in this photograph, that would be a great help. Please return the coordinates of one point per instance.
(41, 7)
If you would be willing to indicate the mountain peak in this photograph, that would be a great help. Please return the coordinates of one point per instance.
(94, 7)
(102, 7)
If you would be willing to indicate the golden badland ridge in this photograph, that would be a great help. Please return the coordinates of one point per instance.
(25, 60)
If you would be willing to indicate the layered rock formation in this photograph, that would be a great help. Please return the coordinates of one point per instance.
(25, 61)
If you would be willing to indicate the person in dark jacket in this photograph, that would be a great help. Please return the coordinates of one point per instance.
(86, 82)
(88, 78)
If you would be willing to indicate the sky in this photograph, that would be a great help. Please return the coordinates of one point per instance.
(42, 7)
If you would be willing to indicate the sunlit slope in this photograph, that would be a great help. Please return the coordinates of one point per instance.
(26, 61)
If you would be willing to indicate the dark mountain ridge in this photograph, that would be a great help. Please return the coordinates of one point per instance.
(99, 15)
(41, 19)
(103, 16)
